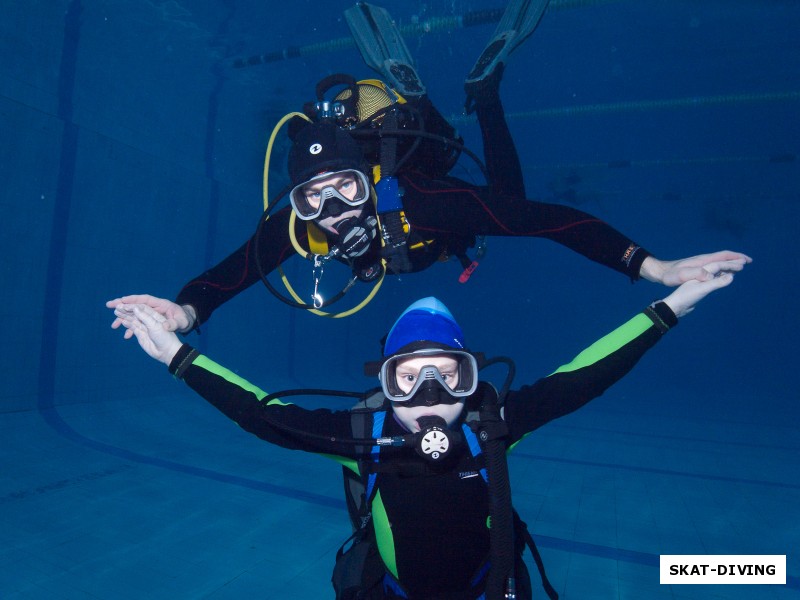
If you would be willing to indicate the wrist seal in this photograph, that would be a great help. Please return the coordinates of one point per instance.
(662, 316)
(182, 360)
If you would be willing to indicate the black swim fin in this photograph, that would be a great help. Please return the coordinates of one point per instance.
(517, 23)
(383, 48)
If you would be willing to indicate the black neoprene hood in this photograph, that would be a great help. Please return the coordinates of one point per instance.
(321, 147)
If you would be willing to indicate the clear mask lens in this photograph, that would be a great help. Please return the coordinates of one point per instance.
(308, 199)
(461, 382)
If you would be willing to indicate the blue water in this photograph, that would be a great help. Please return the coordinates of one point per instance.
(131, 158)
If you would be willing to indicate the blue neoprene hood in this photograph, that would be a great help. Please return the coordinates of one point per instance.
(427, 320)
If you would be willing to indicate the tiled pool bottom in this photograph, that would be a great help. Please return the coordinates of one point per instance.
(168, 499)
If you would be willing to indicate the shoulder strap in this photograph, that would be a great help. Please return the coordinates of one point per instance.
(367, 420)
(491, 439)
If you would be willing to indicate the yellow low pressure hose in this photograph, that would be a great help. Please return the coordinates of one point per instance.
(268, 155)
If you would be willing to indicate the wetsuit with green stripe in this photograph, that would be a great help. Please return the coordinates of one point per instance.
(430, 523)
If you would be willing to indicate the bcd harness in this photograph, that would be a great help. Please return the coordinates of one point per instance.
(485, 433)
(369, 108)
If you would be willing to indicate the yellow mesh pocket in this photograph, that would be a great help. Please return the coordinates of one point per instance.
(373, 96)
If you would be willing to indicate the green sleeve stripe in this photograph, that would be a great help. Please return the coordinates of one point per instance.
(602, 348)
(383, 534)
(350, 463)
(209, 365)
(608, 344)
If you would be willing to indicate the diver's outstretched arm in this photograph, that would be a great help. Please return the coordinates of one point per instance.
(148, 325)
(176, 317)
(700, 268)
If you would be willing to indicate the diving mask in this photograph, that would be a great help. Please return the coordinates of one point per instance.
(459, 382)
(348, 186)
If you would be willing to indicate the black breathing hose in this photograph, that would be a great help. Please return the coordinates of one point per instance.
(500, 582)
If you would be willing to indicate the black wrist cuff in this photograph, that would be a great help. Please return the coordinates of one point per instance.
(196, 325)
(183, 360)
(633, 258)
(662, 316)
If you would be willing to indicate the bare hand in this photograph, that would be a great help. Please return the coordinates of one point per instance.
(683, 300)
(702, 267)
(177, 318)
(147, 325)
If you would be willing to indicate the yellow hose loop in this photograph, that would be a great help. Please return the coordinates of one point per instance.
(268, 155)
(293, 237)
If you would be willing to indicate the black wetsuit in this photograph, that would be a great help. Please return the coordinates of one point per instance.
(445, 214)
(414, 509)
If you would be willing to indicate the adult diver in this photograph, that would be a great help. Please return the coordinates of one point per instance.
(431, 454)
(408, 214)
